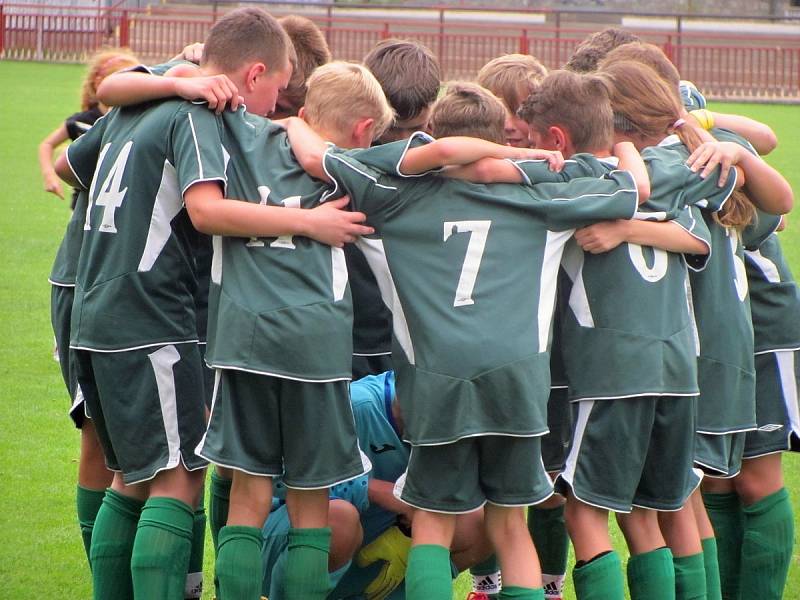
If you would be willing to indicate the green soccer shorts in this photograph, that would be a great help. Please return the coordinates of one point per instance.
(60, 316)
(462, 476)
(777, 410)
(273, 426)
(147, 407)
(628, 452)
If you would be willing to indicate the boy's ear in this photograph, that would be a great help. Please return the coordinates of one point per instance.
(301, 113)
(252, 74)
(363, 132)
(559, 137)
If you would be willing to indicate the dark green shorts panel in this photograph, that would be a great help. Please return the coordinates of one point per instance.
(462, 476)
(720, 455)
(273, 426)
(60, 312)
(777, 411)
(555, 444)
(147, 407)
(631, 452)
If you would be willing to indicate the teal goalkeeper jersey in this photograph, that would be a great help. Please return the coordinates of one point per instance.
(774, 297)
(278, 306)
(469, 274)
(137, 276)
(649, 347)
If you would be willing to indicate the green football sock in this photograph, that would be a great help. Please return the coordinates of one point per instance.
(428, 573)
(306, 575)
(711, 565)
(513, 592)
(727, 517)
(112, 544)
(218, 505)
(238, 567)
(89, 502)
(162, 548)
(194, 577)
(651, 575)
(599, 579)
(767, 546)
(486, 577)
(549, 534)
(690, 577)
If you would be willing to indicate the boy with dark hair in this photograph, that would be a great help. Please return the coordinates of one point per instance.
(485, 451)
(312, 51)
(410, 76)
(134, 321)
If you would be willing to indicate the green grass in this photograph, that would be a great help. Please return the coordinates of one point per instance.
(41, 552)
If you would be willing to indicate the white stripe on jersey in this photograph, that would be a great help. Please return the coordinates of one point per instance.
(553, 249)
(167, 205)
(375, 254)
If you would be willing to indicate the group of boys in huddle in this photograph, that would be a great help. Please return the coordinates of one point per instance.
(420, 243)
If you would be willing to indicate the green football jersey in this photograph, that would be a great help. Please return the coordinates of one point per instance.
(137, 277)
(66, 261)
(774, 298)
(469, 273)
(719, 293)
(649, 347)
(278, 306)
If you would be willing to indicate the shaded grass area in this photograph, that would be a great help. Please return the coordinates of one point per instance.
(41, 553)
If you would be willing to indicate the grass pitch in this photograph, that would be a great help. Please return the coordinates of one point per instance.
(41, 553)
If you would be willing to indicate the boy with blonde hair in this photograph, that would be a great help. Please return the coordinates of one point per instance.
(512, 78)
(282, 407)
(460, 338)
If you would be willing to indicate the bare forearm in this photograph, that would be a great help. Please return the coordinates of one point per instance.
(758, 134)
(244, 219)
(453, 151)
(124, 89)
(765, 187)
(664, 235)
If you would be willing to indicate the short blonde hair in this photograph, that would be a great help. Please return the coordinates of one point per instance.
(468, 109)
(512, 78)
(341, 93)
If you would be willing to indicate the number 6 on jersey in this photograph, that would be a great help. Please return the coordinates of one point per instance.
(478, 230)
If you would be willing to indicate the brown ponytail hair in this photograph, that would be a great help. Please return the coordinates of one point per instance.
(645, 104)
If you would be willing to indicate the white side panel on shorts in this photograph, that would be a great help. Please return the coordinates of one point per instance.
(788, 374)
(168, 204)
(571, 464)
(162, 361)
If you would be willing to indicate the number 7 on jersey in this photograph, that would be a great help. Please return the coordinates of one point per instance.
(479, 231)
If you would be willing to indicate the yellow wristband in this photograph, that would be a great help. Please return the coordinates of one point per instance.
(704, 117)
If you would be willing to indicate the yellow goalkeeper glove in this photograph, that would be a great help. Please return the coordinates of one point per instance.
(392, 548)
